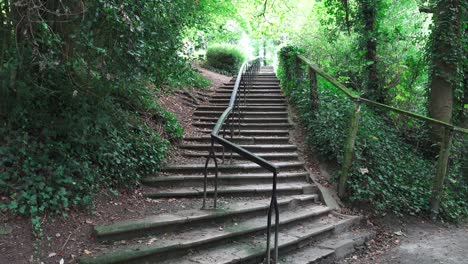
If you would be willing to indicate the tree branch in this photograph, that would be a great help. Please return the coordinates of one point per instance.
(425, 9)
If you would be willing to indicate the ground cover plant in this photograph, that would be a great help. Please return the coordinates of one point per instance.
(389, 172)
(77, 98)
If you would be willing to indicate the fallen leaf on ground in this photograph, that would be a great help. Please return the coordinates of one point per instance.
(151, 241)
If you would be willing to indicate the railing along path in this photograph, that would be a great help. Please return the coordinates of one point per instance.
(244, 81)
(445, 144)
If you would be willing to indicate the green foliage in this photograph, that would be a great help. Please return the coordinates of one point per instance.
(389, 172)
(188, 77)
(401, 33)
(77, 97)
(225, 58)
(53, 161)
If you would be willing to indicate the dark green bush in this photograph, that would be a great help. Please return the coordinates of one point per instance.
(225, 58)
(400, 175)
(76, 113)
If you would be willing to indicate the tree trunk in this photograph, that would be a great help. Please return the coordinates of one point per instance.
(369, 19)
(445, 51)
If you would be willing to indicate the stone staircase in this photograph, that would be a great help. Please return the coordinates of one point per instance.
(235, 232)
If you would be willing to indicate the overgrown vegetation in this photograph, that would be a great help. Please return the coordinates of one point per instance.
(78, 87)
(391, 171)
(224, 58)
(79, 79)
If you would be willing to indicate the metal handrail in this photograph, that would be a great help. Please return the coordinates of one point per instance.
(244, 79)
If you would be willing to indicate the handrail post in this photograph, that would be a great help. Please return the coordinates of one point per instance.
(441, 167)
(273, 206)
(314, 98)
(205, 175)
(349, 147)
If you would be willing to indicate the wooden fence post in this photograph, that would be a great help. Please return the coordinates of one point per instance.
(298, 69)
(349, 147)
(314, 98)
(442, 163)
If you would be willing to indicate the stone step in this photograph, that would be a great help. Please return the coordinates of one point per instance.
(252, 250)
(163, 223)
(245, 120)
(264, 148)
(230, 168)
(259, 78)
(265, 79)
(246, 190)
(265, 96)
(243, 126)
(253, 133)
(228, 92)
(242, 140)
(249, 101)
(176, 244)
(244, 108)
(285, 156)
(223, 180)
(225, 105)
(199, 113)
(258, 82)
(331, 249)
(255, 88)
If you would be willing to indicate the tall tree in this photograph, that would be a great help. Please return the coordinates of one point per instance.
(368, 10)
(446, 53)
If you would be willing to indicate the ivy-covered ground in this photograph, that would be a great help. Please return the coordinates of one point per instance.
(69, 236)
(393, 167)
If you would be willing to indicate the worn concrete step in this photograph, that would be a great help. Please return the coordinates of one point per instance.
(259, 77)
(231, 168)
(242, 140)
(228, 92)
(225, 105)
(267, 79)
(244, 108)
(254, 120)
(252, 249)
(192, 218)
(252, 148)
(246, 190)
(250, 101)
(195, 218)
(283, 156)
(223, 180)
(253, 133)
(259, 89)
(257, 126)
(258, 82)
(217, 114)
(180, 242)
(264, 96)
(329, 250)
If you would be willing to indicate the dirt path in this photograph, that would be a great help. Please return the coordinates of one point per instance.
(415, 241)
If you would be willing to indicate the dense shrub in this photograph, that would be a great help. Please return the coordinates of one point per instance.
(388, 172)
(224, 58)
(77, 104)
